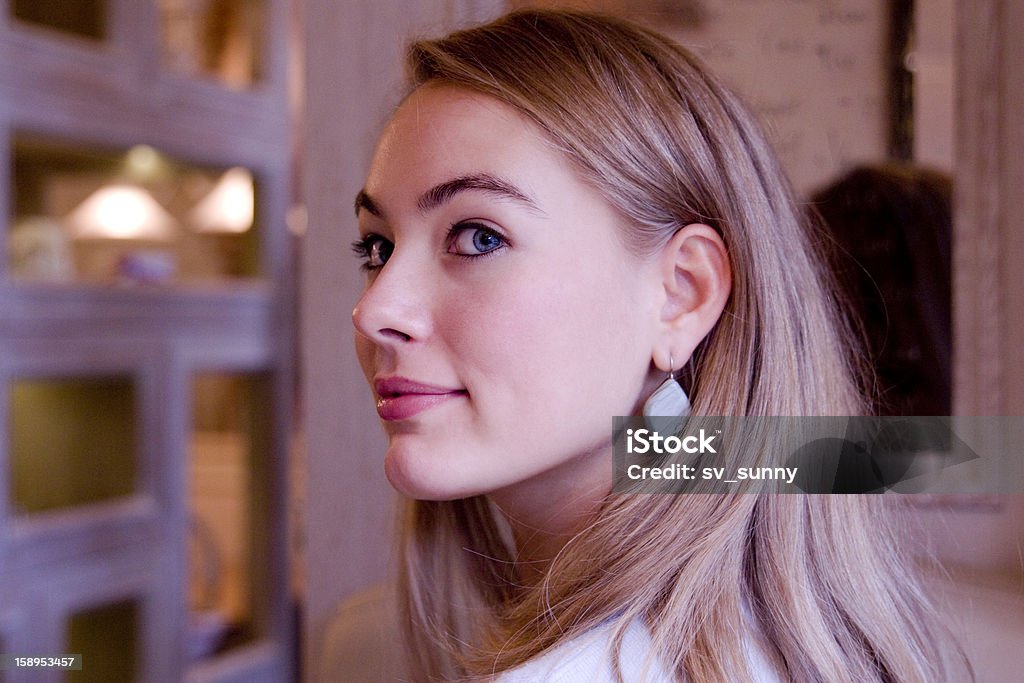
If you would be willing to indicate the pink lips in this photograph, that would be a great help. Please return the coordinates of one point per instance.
(402, 398)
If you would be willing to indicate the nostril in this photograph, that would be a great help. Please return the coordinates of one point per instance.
(395, 334)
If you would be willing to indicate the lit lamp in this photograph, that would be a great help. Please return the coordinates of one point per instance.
(229, 206)
(121, 212)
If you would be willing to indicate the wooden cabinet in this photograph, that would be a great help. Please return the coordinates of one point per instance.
(146, 377)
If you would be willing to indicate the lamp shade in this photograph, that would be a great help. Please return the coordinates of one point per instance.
(121, 212)
(230, 205)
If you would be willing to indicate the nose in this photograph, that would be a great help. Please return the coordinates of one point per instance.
(394, 306)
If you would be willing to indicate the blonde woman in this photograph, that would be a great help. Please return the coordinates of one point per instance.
(565, 211)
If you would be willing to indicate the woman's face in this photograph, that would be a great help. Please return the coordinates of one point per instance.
(504, 322)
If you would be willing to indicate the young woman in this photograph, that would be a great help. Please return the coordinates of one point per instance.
(565, 211)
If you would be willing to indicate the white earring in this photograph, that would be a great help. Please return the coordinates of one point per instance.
(666, 410)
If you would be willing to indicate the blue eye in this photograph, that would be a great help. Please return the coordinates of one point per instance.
(374, 250)
(473, 239)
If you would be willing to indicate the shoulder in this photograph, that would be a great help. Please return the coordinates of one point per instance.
(362, 640)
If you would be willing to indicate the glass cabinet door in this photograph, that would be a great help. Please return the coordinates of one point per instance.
(135, 216)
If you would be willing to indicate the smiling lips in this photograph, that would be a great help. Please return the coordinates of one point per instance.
(402, 398)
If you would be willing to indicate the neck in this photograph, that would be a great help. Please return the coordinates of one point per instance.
(545, 512)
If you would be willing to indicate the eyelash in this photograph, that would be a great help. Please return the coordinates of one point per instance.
(364, 247)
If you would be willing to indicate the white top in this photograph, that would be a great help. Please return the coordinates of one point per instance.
(587, 659)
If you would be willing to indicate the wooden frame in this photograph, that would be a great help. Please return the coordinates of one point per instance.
(116, 94)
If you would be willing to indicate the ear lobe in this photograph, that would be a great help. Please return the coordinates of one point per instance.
(697, 280)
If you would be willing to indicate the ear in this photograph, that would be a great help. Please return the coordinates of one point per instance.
(696, 278)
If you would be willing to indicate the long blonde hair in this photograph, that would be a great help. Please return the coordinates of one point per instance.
(817, 578)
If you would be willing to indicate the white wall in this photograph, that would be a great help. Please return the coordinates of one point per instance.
(814, 72)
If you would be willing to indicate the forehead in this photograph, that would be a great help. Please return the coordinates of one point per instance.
(452, 130)
(435, 107)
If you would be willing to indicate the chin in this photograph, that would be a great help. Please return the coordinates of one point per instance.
(423, 480)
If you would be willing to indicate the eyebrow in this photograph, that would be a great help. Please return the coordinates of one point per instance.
(483, 182)
(439, 194)
(365, 202)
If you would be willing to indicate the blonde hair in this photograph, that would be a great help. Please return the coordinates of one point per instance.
(817, 578)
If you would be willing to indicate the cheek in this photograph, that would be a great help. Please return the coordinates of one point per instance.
(546, 337)
(489, 333)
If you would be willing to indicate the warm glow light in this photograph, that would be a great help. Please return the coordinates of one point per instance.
(143, 160)
(121, 212)
(229, 206)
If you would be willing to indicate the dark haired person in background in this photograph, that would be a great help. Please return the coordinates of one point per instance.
(892, 228)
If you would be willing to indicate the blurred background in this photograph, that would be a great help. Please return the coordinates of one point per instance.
(190, 477)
